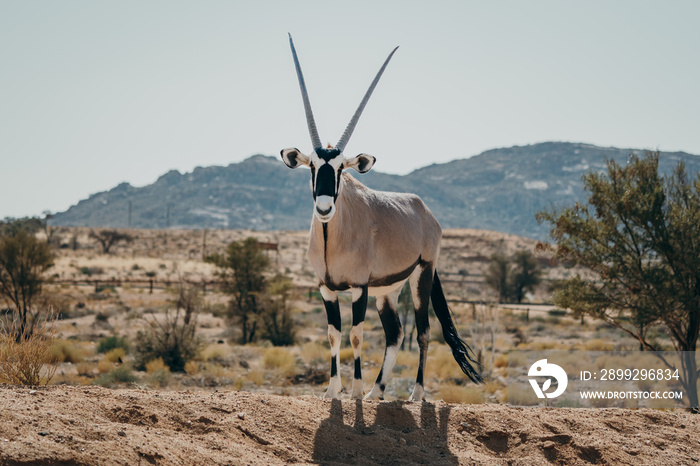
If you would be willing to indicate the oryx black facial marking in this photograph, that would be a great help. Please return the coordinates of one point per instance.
(378, 242)
(327, 154)
(325, 182)
(325, 173)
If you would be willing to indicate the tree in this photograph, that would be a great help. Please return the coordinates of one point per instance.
(242, 268)
(108, 238)
(497, 275)
(525, 275)
(640, 234)
(10, 226)
(23, 261)
(48, 230)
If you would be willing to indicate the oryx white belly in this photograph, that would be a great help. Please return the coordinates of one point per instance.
(384, 290)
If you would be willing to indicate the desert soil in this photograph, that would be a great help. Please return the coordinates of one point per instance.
(93, 425)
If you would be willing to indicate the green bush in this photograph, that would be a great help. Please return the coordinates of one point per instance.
(109, 343)
(121, 374)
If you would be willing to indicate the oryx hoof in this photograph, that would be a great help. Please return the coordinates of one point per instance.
(418, 394)
(333, 391)
(357, 390)
(376, 394)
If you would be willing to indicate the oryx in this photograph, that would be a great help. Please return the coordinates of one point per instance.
(370, 242)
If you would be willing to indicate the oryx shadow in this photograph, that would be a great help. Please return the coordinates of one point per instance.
(390, 435)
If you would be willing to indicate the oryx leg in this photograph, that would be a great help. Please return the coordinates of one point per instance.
(421, 282)
(386, 305)
(359, 309)
(330, 301)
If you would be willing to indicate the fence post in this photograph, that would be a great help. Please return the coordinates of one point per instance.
(150, 291)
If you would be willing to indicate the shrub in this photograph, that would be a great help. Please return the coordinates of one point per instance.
(278, 323)
(172, 338)
(159, 373)
(21, 363)
(65, 351)
(109, 343)
(122, 374)
(160, 378)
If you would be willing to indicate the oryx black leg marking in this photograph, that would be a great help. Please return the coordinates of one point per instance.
(421, 284)
(330, 301)
(359, 309)
(394, 336)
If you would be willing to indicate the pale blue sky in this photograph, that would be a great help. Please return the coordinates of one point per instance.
(96, 93)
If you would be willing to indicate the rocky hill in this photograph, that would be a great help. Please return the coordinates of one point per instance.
(500, 189)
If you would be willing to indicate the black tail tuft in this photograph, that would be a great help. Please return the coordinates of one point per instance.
(460, 350)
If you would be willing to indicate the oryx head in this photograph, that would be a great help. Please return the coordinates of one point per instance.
(328, 164)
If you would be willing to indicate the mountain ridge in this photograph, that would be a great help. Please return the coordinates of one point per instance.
(500, 189)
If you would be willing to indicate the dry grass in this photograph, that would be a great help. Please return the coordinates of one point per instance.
(214, 370)
(22, 362)
(408, 358)
(280, 360)
(314, 352)
(542, 346)
(115, 355)
(158, 373)
(86, 369)
(492, 386)
(155, 365)
(441, 364)
(521, 396)
(66, 351)
(256, 376)
(501, 361)
(192, 368)
(214, 352)
(598, 344)
(104, 366)
(346, 355)
(451, 393)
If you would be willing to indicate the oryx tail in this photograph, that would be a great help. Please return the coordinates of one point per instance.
(460, 350)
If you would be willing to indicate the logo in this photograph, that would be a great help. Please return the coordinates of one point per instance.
(544, 369)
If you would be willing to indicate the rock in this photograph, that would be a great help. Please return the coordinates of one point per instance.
(241, 416)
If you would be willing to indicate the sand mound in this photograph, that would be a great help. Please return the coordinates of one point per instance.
(78, 425)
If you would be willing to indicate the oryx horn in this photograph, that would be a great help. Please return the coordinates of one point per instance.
(353, 121)
(313, 132)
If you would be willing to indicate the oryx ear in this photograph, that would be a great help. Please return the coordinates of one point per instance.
(293, 158)
(362, 163)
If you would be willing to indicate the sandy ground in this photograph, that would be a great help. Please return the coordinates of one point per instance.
(79, 425)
